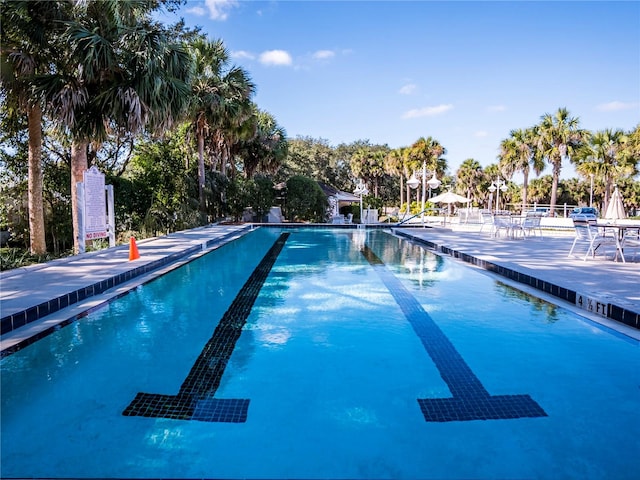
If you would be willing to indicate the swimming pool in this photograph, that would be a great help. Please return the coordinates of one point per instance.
(316, 353)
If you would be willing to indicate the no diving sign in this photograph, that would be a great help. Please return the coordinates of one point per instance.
(95, 205)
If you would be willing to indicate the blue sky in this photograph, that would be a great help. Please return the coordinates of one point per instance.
(465, 73)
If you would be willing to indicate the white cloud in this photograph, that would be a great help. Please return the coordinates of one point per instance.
(427, 111)
(198, 11)
(243, 54)
(219, 9)
(324, 54)
(496, 108)
(407, 89)
(481, 133)
(276, 57)
(616, 106)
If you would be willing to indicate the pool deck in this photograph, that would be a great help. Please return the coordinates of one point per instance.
(40, 297)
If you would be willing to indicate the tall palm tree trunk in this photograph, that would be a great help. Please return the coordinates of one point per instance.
(554, 186)
(201, 174)
(37, 242)
(525, 188)
(78, 167)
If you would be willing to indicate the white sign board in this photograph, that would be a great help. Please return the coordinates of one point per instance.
(95, 205)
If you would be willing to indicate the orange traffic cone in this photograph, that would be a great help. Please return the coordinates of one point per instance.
(133, 249)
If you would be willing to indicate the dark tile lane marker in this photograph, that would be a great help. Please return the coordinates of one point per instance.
(195, 400)
(470, 401)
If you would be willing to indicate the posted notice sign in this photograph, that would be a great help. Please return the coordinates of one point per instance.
(95, 205)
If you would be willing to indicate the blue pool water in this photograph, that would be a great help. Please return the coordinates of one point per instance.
(361, 356)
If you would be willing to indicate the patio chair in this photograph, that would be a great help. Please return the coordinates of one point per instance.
(349, 218)
(632, 241)
(502, 222)
(486, 219)
(588, 234)
(531, 223)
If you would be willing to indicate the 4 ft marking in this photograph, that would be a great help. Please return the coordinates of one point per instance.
(592, 305)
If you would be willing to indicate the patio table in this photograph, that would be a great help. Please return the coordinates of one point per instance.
(620, 234)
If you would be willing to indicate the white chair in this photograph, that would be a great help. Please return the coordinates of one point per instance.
(486, 219)
(631, 241)
(349, 218)
(502, 222)
(531, 223)
(588, 234)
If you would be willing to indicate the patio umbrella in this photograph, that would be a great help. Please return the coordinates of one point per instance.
(449, 198)
(615, 209)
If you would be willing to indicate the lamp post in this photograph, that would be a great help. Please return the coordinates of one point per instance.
(500, 187)
(591, 191)
(413, 183)
(361, 189)
(433, 183)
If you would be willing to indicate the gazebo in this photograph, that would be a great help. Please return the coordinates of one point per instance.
(337, 198)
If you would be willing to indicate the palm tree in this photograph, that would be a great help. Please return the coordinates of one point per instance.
(230, 121)
(122, 73)
(428, 152)
(219, 104)
(558, 138)
(518, 153)
(208, 58)
(27, 43)
(393, 165)
(368, 163)
(631, 149)
(267, 148)
(603, 156)
(469, 179)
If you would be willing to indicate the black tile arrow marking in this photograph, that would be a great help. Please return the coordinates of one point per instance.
(195, 400)
(470, 401)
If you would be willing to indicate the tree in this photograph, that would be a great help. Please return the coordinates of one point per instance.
(518, 153)
(122, 72)
(261, 195)
(558, 138)
(27, 41)
(268, 147)
(603, 156)
(540, 189)
(368, 163)
(305, 200)
(309, 157)
(427, 152)
(394, 165)
(208, 58)
(470, 179)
